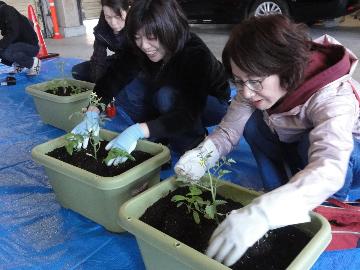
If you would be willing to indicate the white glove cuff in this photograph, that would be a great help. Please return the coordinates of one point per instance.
(283, 206)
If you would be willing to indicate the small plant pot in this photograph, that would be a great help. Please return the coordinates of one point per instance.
(95, 197)
(160, 251)
(56, 110)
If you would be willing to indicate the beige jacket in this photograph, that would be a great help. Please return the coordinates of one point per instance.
(332, 116)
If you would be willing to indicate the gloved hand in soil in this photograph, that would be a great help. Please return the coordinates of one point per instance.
(190, 165)
(239, 231)
(89, 124)
(127, 141)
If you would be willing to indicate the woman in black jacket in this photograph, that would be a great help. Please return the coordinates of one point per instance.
(181, 87)
(19, 45)
(108, 34)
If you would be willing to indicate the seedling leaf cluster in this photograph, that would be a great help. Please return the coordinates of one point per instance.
(73, 141)
(193, 200)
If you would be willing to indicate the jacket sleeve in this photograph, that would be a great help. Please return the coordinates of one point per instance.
(331, 144)
(12, 27)
(98, 60)
(192, 81)
(230, 130)
(121, 72)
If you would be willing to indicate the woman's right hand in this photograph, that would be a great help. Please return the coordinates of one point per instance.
(194, 163)
(89, 124)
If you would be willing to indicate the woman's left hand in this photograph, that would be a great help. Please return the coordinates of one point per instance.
(239, 231)
(127, 141)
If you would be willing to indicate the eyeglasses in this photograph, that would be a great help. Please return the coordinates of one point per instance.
(253, 85)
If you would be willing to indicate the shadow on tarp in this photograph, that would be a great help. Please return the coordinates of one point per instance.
(36, 232)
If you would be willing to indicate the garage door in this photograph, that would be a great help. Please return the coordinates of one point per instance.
(90, 9)
(20, 5)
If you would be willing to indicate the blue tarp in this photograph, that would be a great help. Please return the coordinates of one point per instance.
(37, 233)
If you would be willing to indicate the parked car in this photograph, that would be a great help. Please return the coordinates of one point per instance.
(233, 11)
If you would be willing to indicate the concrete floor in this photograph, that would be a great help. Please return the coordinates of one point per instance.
(215, 36)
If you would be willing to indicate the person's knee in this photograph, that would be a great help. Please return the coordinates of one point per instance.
(76, 72)
(6, 54)
(164, 99)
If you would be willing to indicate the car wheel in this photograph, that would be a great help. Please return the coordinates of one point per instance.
(263, 7)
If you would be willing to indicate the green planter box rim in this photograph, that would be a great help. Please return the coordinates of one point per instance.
(134, 208)
(161, 155)
(38, 90)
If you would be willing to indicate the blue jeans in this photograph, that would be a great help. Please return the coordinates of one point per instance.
(20, 53)
(271, 154)
(143, 104)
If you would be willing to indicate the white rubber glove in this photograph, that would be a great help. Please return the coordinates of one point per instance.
(90, 123)
(239, 231)
(189, 165)
(283, 206)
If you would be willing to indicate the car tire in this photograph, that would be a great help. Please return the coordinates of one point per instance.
(266, 7)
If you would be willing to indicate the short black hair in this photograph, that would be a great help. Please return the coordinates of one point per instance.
(162, 19)
(116, 5)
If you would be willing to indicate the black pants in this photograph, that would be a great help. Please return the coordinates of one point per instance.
(20, 53)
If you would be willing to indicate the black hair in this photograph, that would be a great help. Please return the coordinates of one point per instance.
(268, 45)
(162, 19)
(116, 5)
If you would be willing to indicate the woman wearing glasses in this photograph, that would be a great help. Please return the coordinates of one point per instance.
(298, 108)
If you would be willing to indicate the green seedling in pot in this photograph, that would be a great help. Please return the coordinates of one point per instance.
(72, 141)
(117, 152)
(55, 85)
(94, 101)
(193, 200)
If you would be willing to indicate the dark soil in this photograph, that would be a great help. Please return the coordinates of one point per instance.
(275, 251)
(83, 160)
(65, 91)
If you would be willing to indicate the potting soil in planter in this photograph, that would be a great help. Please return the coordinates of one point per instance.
(65, 91)
(276, 250)
(83, 160)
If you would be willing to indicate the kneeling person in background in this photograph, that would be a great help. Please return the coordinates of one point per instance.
(19, 45)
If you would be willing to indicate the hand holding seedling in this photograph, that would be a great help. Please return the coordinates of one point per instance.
(126, 141)
(90, 124)
(190, 166)
(91, 121)
(193, 200)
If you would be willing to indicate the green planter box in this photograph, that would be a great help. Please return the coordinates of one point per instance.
(95, 197)
(161, 251)
(55, 110)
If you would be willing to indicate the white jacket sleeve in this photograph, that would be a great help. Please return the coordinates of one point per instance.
(227, 135)
(331, 144)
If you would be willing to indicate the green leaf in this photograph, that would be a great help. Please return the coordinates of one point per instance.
(196, 217)
(224, 171)
(179, 204)
(177, 198)
(194, 191)
(210, 210)
(220, 202)
(117, 152)
(196, 205)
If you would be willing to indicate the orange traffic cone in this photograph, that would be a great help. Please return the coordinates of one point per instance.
(43, 53)
(57, 34)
